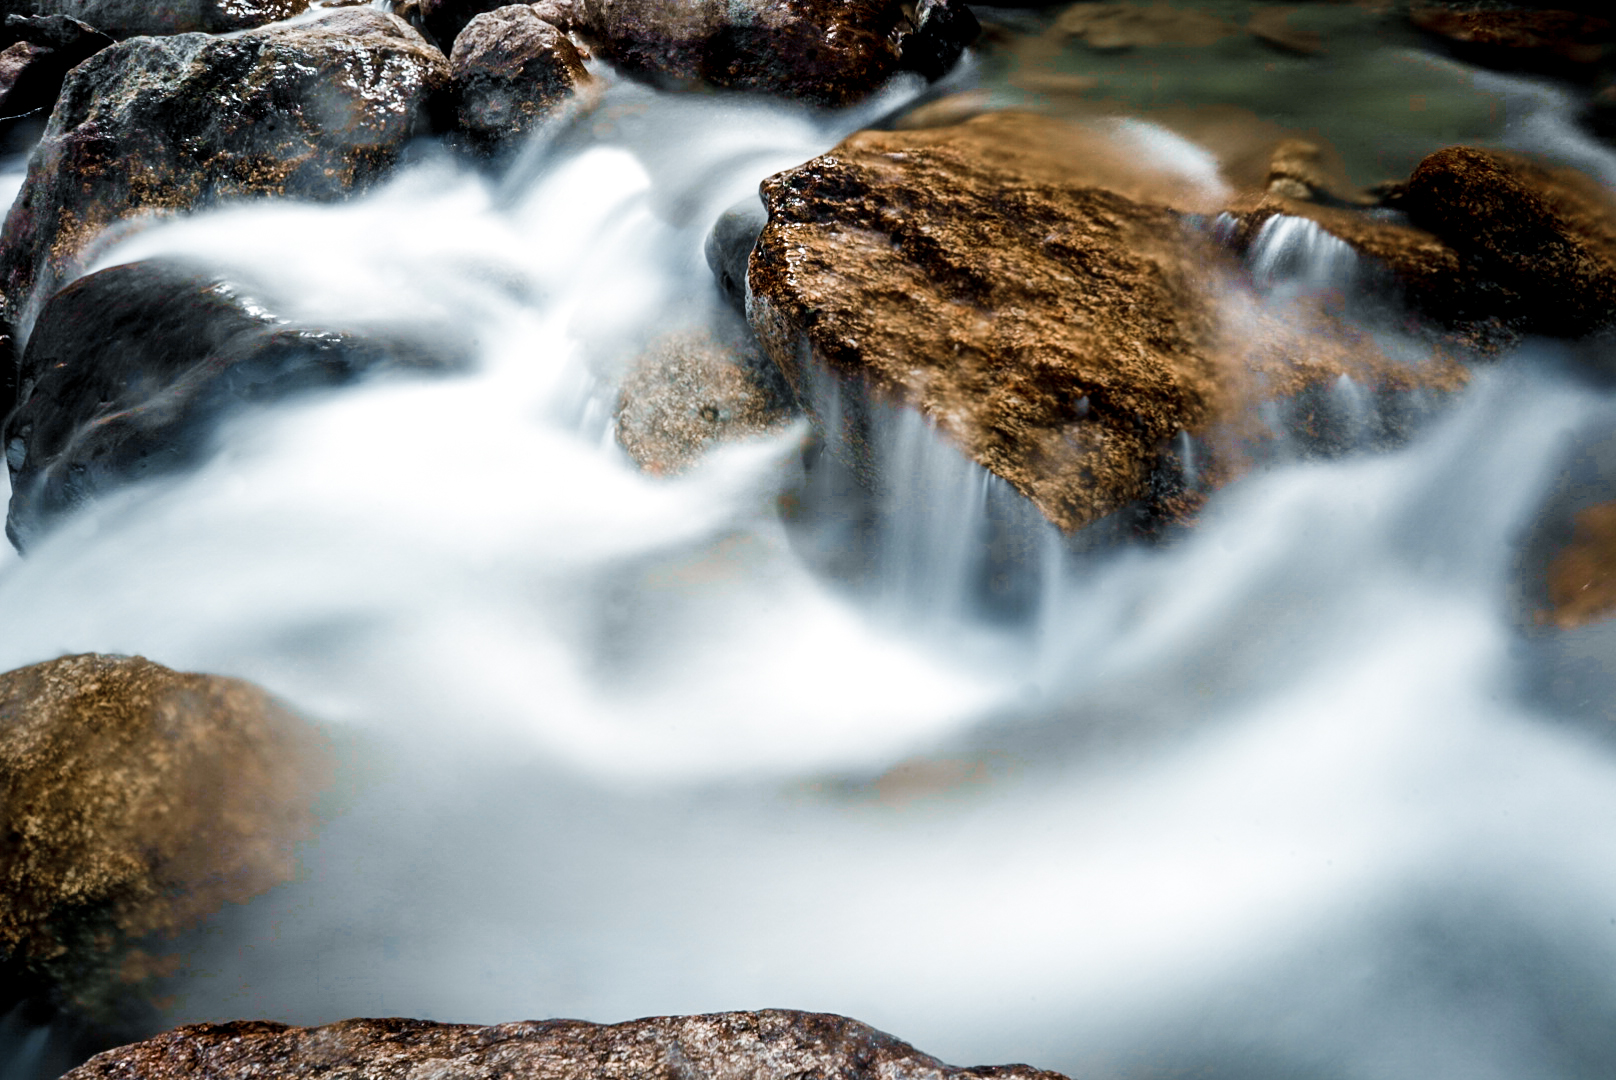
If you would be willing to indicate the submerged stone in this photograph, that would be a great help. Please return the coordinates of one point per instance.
(773, 1044)
(136, 800)
(1580, 582)
(168, 124)
(129, 371)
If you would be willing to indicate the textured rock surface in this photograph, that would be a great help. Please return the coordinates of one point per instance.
(129, 18)
(831, 52)
(129, 370)
(1546, 236)
(511, 70)
(1559, 42)
(691, 391)
(135, 800)
(315, 111)
(767, 1045)
(1581, 580)
(1058, 334)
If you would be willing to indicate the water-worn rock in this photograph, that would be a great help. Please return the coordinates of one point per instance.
(1058, 334)
(830, 52)
(129, 371)
(134, 801)
(1546, 236)
(130, 18)
(315, 110)
(1559, 42)
(32, 68)
(1113, 26)
(767, 1045)
(690, 391)
(511, 70)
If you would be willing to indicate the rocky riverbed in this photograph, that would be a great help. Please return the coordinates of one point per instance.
(1077, 533)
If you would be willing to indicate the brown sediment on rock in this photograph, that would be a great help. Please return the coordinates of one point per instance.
(136, 800)
(772, 1044)
(1111, 26)
(315, 110)
(690, 391)
(1581, 579)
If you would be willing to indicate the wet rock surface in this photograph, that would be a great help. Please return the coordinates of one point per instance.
(766, 1045)
(129, 371)
(1058, 334)
(316, 111)
(136, 801)
(693, 390)
(828, 53)
(130, 18)
(42, 51)
(511, 70)
(1531, 38)
(1581, 579)
(1547, 236)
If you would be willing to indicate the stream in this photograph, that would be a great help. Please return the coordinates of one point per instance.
(1299, 793)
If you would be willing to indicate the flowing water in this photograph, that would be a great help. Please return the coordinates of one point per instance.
(1298, 793)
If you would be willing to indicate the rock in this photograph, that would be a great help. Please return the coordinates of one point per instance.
(1581, 580)
(511, 70)
(32, 69)
(690, 391)
(131, 18)
(828, 52)
(1058, 334)
(71, 37)
(317, 110)
(136, 801)
(1296, 170)
(1111, 26)
(772, 1044)
(1557, 42)
(1272, 26)
(130, 369)
(1546, 236)
(729, 248)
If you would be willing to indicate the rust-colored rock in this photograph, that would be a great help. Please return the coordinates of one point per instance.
(767, 1045)
(1546, 236)
(511, 70)
(1056, 333)
(691, 391)
(1559, 42)
(1581, 579)
(136, 800)
(316, 110)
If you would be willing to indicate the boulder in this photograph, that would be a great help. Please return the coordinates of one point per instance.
(32, 68)
(1580, 582)
(828, 52)
(1546, 236)
(772, 1044)
(316, 110)
(131, 18)
(136, 800)
(442, 20)
(1058, 334)
(693, 390)
(1558, 42)
(129, 371)
(511, 70)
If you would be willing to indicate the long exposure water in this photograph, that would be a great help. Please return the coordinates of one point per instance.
(1298, 793)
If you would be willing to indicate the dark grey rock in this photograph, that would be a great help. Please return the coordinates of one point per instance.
(511, 70)
(130, 370)
(169, 124)
(773, 1044)
(729, 246)
(130, 18)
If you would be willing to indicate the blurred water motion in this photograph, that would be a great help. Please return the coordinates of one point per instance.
(1280, 798)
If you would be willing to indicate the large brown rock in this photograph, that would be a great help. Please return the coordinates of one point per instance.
(511, 70)
(316, 110)
(1580, 581)
(135, 800)
(1546, 235)
(767, 1045)
(1559, 42)
(1058, 334)
(830, 52)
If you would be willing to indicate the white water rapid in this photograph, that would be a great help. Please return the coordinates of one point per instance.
(1292, 795)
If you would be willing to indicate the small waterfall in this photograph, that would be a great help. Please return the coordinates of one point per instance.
(1292, 256)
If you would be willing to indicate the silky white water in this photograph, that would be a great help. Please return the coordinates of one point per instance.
(1293, 795)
